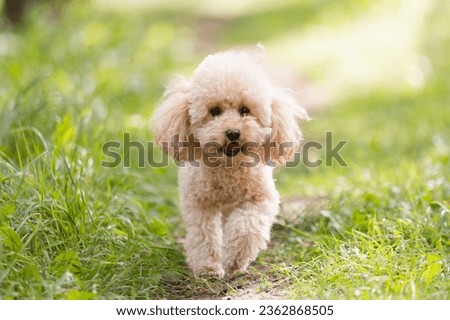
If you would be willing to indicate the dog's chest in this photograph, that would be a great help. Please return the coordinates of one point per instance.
(216, 187)
(228, 186)
(231, 185)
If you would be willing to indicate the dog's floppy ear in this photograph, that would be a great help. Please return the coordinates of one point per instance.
(171, 119)
(286, 136)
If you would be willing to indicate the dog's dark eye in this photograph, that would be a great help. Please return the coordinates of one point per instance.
(215, 111)
(244, 111)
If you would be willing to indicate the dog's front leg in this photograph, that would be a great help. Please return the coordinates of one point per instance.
(246, 232)
(203, 243)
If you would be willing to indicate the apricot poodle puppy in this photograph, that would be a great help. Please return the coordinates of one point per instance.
(227, 127)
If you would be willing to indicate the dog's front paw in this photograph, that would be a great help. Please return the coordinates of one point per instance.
(212, 271)
(234, 266)
(241, 250)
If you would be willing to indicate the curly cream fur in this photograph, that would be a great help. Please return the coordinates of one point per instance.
(228, 208)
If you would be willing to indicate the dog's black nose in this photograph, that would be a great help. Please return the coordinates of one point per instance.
(233, 135)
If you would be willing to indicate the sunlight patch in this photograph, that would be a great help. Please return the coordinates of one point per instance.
(376, 50)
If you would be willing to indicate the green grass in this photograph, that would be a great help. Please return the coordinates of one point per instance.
(72, 229)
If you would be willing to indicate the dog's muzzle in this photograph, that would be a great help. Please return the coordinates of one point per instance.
(232, 148)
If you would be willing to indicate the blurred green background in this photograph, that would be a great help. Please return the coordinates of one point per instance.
(76, 74)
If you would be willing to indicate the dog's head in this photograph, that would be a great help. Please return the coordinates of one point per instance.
(229, 109)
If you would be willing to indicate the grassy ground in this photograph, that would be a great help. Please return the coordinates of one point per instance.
(70, 228)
